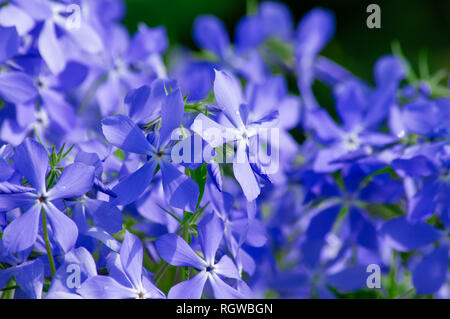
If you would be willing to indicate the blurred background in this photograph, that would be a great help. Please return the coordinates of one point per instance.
(421, 27)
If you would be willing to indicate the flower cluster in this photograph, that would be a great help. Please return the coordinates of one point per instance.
(127, 172)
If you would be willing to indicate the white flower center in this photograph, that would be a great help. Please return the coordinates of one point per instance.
(351, 141)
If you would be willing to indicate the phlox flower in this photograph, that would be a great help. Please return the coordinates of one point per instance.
(175, 251)
(31, 160)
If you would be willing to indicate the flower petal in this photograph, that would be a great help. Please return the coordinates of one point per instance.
(244, 174)
(228, 95)
(415, 166)
(5, 170)
(227, 268)
(389, 69)
(83, 261)
(104, 237)
(181, 190)
(122, 132)
(210, 233)
(189, 289)
(59, 110)
(210, 34)
(314, 31)
(105, 215)
(423, 204)
(150, 288)
(429, 275)
(350, 103)
(86, 38)
(175, 251)
(130, 188)
(322, 223)
(9, 43)
(104, 287)
(349, 279)
(65, 231)
(172, 111)
(21, 234)
(50, 49)
(131, 256)
(17, 87)
(405, 236)
(363, 229)
(30, 277)
(31, 159)
(76, 180)
(11, 15)
(212, 132)
(11, 201)
(221, 290)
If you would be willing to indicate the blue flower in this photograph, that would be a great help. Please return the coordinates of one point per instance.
(175, 251)
(127, 279)
(431, 166)
(242, 129)
(122, 132)
(430, 273)
(361, 112)
(31, 161)
(29, 275)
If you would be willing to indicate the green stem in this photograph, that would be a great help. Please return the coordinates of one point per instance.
(47, 244)
(9, 288)
(184, 271)
(161, 272)
(184, 232)
(392, 284)
(8, 291)
(186, 235)
(183, 274)
(407, 295)
(91, 92)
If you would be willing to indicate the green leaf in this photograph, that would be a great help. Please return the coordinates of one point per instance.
(52, 158)
(199, 176)
(385, 170)
(397, 50)
(8, 291)
(340, 218)
(360, 294)
(186, 273)
(187, 216)
(392, 289)
(284, 50)
(170, 213)
(56, 158)
(198, 213)
(120, 154)
(251, 7)
(68, 151)
(224, 153)
(39, 139)
(339, 179)
(385, 211)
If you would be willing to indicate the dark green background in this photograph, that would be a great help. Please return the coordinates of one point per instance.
(418, 25)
